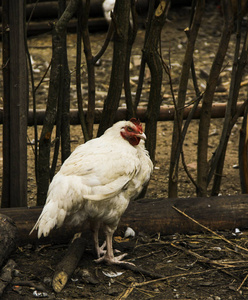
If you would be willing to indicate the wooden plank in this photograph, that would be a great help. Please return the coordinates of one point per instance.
(149, 216)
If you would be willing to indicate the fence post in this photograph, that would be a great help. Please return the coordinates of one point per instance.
(15, 96)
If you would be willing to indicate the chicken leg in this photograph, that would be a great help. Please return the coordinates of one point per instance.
(95, 225)
(108, 256)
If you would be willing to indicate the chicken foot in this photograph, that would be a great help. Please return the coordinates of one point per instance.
(100, 250)
(108, 256)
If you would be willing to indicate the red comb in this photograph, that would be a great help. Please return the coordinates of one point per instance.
(137, 123)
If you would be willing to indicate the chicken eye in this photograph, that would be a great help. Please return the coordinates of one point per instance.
(129, 129)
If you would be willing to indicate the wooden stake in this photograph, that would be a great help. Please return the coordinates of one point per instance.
(66, 267)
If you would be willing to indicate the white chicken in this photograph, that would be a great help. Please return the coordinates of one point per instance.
(108, 7)
(96, 183)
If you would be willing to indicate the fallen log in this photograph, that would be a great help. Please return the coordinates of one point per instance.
(46, 10)
(8, 233)
(49, 9)
(149, 216)
(95, 25)
(45, 13)
(166, 114)
(68, 264)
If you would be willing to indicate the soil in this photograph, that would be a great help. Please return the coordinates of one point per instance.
(193, 266)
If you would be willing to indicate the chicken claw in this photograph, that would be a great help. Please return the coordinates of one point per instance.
(116, 260)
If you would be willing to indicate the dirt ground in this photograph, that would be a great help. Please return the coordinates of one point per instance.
(193, 266)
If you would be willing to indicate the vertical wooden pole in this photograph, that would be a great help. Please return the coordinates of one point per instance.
(14, 190)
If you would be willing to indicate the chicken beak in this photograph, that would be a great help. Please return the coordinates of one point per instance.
(141, 136)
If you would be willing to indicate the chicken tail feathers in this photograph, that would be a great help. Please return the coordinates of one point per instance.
(49, 219)
(43, 227)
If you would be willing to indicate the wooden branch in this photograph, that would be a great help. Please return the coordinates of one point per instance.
(105, 44)
(153, 60)
(166, 114)
(204, 125)
(177, 140)
(132, 33)
(90, 69)
(64, 94)
(66, 267)
(43, 165)
(82, 117)
(7, 237)
(143, 61)
(120, 19)
(216, 213)
(239, 64)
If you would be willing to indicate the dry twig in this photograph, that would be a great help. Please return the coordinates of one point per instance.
(242, 283)
(140, 270)
(133, 285)
(203, 259)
